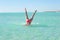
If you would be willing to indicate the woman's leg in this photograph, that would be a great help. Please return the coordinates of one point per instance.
(26, 13)
(33, 15)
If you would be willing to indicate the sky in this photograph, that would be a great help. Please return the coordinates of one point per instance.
(30, 5)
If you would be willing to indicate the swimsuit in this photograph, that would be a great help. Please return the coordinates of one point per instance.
(28, 21)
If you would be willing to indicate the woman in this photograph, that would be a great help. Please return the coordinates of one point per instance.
(28, 21)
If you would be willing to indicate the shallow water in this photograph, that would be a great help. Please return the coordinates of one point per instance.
(45, 26)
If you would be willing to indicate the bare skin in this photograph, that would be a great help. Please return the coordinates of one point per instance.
(30, 18)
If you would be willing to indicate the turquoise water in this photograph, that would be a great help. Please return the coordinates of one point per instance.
(45, 26)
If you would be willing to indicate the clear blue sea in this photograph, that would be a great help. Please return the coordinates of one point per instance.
(45, 26)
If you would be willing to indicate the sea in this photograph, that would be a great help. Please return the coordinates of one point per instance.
(45, 26)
